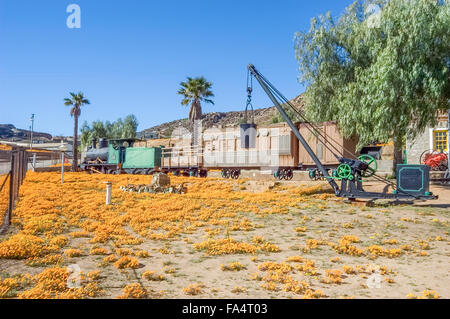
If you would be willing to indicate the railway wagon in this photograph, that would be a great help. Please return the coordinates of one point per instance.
(274, 149)
(343, 147)
(221, 148)
(181, 157)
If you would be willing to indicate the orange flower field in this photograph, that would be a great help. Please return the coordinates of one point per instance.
(219, 240)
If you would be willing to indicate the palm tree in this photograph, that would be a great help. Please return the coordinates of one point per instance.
(76, 101)
(194, 91)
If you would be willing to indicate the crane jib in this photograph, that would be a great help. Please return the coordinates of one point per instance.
(294, 129)
(412, 180)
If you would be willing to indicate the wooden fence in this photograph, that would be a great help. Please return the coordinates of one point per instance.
(18, 163)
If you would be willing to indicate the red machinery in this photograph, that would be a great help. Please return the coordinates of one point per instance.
(438, 161)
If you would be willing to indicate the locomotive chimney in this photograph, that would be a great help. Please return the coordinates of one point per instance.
(103, 143)
(94, 142)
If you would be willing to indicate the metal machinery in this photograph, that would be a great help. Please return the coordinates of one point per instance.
(437, 160)
(412, 180)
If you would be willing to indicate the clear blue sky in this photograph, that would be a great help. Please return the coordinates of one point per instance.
(130, 56)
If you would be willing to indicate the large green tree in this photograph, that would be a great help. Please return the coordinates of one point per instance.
(381, 70)
(194, 91)
(76, 101)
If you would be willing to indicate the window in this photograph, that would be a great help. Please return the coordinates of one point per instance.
(440, 140)
(284, 142)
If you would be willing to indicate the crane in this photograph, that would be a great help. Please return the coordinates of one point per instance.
(412, 180)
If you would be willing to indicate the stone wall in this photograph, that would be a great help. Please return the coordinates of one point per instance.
(422, 143)
(415, 148)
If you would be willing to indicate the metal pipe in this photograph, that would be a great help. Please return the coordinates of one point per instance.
(31, 135)
(34, 162)
(62, 167)
(108, 192)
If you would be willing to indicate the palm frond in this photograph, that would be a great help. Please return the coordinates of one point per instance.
(209, 101)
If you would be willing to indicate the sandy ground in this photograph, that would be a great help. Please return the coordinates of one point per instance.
(411, 272)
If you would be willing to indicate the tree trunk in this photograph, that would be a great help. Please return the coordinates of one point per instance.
(75, 144)
(198, 111)
(398, 153)
(195, 113)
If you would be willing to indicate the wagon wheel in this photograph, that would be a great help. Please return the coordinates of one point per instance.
(289, 174)
(282, 174)
(193, 173)
(279, 174)
(276, 174)
(224, 173)
(425, 155)
(372, 165)
(428, 155)
(235, 174)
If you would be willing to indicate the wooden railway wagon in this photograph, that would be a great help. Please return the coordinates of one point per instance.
(345, 147)
(275, 148)
(221, 148)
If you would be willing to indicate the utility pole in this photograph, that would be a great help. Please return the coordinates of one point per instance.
(31, 135)
(63, 149)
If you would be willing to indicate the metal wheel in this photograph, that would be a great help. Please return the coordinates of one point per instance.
(235, 174)
(344, 171)
(279, 174)
(435, 159)
(227, 173)
(288, 175)
(372, 165)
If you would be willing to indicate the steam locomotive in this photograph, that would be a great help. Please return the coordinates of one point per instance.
(117, 156)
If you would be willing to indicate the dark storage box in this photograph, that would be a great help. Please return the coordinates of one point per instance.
(248, 135)
(413, 179)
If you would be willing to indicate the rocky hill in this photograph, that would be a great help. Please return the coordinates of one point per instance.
(11, 133)
(221, 119)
